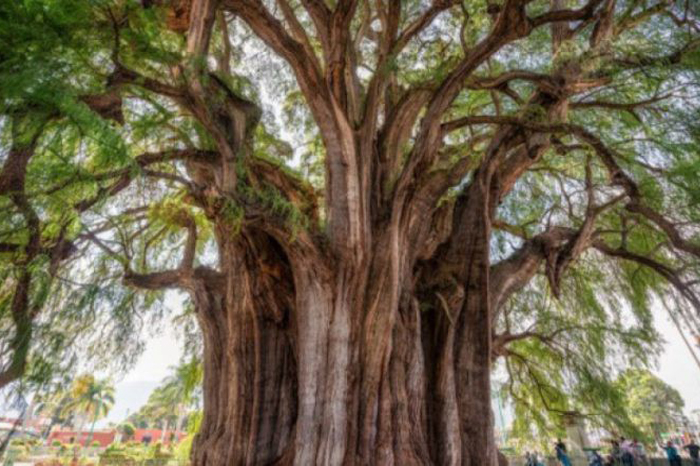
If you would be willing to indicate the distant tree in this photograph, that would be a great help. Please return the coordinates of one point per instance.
(653, 406)
(174, 399)
(91, 399)
(181, 389)
(127, 430)
(54, 404)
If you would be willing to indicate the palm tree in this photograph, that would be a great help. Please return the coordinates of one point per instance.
(168, 404)
(164, 405)
(181, 387)
(91, 398)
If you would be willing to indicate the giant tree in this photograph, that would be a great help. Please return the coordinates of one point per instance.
(351, 315)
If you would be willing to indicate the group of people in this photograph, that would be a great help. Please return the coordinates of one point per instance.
(627, 453)
(631, 453)
(533, 459)
(624, 452)
(674, 458)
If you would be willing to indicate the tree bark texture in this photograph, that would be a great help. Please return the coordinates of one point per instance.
(323, 356)
(310, 361)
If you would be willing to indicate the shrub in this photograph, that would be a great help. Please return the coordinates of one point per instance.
(56, 443)
(17, 451)
(117, 455)
(96, 443)
(127, 429)
(182, 450)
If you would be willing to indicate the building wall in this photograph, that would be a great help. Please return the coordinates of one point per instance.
(66, 436)
(155, 435)
(106, 437)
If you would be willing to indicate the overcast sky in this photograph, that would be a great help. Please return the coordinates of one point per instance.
(676, 366)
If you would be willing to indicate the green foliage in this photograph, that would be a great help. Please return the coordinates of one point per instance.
(654, 407)
(170, 404)
(183, 449)
(120, 454)
(127, 429)
(580, 343)
(270, 199)
(232, 214)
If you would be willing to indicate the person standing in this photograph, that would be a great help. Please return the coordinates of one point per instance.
(674, 459)
(562, 456)
(595, 459)
(530, 459)
(626, 452)
(615, 452)
(640, 456)
(694, 452)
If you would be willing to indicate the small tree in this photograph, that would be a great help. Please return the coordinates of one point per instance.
(127, 430)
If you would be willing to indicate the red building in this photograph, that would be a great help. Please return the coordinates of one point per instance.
(155, 435)
(105, 437)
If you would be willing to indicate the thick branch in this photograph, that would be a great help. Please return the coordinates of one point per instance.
(125, 176)
(155, 280)
(512, 274)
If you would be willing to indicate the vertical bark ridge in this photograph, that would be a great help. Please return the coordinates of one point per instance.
(472, 344)
(378, 316)
(438, 341)
(407, 373)
(250, 370)
(322, 327)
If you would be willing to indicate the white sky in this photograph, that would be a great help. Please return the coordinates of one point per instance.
(676, 367)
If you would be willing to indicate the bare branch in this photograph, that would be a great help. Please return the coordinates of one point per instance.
(154, 281)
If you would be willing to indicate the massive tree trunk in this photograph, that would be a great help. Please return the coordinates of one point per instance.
(312, 360)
